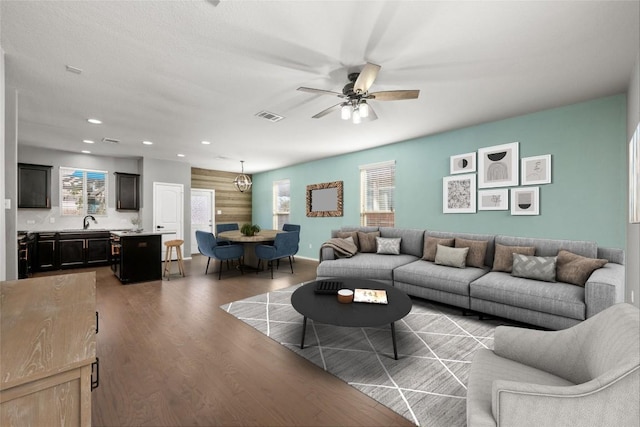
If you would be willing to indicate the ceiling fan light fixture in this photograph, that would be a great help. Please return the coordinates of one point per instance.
(242, 181)
(356, 116)
(364, 109)
(345, 111)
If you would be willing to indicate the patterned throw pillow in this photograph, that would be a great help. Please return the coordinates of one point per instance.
(503, 258)
(477, 251)
(430, 246)
(388, 246)
(576, 269)
(367, 241)
(534, 267)
(451, 257)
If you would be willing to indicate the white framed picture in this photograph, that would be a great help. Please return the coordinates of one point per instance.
(462, 163)
(459, 194)
(493, 200)
(498, 166)
(536, 170)
(525, 201)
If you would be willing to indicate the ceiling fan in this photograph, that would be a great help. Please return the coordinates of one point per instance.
(356, 96)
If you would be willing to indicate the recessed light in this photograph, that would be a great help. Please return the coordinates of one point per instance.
(206, 143)
(180, 155)
(86, 151)
(147, 142)
(87, 141)
(94, 121)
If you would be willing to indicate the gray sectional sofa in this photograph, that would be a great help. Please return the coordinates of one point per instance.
(552, 305)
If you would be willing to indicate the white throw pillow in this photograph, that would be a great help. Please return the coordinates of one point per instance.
(452, 257)
(388, 246)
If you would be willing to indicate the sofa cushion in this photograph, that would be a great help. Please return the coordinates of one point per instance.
(346, 234)
(477, 251)
(412, 239)
(429, 275)
(388, 245)
(503, 258)
(576, 269)
(534, 267)
(431, 244)
(550, 247)
(558, 298)
(452, 257)
(488, 260)
(367, 241)
(364, 266)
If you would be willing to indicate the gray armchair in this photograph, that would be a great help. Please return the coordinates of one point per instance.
(587, 375)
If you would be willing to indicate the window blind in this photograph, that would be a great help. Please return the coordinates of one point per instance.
(377, 188)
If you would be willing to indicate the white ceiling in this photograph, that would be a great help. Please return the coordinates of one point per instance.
(179, 72)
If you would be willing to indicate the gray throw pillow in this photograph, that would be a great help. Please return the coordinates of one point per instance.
(452, 257)
(534, 267)
(431, 244)
(503, 257)
(388, 246)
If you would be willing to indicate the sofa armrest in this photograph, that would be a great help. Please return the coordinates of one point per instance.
(327, 254)
(604, 288)
(549, 351)
(610, 399)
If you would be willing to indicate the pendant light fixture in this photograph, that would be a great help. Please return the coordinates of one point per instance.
(242, 181)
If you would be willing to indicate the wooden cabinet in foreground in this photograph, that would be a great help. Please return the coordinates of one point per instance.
(47, 350)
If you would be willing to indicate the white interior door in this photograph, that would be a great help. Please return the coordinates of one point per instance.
(203, 204)
(168, 211)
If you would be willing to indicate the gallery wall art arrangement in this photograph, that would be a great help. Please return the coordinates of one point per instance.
(497, 166)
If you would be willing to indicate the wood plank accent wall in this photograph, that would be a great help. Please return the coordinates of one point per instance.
(235, 206)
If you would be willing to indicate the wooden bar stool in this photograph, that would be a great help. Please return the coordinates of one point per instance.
(170, 244)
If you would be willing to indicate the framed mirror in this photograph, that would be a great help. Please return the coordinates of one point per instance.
(324, 199)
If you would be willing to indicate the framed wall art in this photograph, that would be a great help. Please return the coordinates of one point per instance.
(498, 166)
(324, 199)
(493, 200)
(525, 201)
(536, 170)
(459, 194)
(462, 163)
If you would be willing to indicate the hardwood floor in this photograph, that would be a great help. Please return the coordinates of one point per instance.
(169, 356)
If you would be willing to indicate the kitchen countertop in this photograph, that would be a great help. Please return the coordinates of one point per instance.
(125, 233)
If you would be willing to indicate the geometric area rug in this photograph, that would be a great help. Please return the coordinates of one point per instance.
(426, 385)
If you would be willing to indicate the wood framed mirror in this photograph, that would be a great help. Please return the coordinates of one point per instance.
(324, 199)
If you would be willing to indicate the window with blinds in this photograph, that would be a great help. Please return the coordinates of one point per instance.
(83, 192)
(377, 188)
(281, 203)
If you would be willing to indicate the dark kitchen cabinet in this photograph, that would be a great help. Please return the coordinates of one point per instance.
(34, 186)
(46, 253)
(127, 191)
(137, 257)
(84, 249)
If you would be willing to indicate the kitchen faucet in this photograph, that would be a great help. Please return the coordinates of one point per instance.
(85, 221)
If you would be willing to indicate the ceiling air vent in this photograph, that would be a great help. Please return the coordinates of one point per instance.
(110, 141)
(272, 117)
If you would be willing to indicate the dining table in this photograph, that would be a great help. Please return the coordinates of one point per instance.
(249, 243)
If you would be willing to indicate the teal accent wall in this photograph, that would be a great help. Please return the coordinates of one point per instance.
(585, 201)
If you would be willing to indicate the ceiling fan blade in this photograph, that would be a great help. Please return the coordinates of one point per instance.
(366, 78)
(394, 95)
(320, 91)
(327, 111)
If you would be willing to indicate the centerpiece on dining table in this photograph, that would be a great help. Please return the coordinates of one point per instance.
(249, 229)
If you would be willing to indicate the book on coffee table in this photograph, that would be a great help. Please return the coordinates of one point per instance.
(373, 296)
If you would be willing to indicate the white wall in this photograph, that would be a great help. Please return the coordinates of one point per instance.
(3, 245)
(633, 230)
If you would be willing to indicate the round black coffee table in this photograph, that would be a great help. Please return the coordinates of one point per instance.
(325, 308)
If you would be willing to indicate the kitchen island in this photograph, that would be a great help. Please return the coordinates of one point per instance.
(136, 256)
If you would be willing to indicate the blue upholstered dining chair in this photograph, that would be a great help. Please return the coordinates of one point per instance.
(209, 247)
(284, 245)
(220, 228)
(293, 227)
